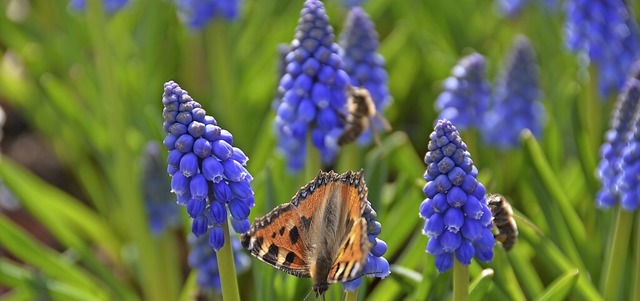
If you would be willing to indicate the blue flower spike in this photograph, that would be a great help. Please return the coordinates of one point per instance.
(620, 164)
(159, 202)
(376, 265)
(198, 13)
(365, 66)
(457, 219)
(516, 103)
(208, 173)
(466, 94)
(110, 6)
(616, 138)
(603, 32)
(313, 90)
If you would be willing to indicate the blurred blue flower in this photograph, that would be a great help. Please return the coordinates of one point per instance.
(516, 104)
(159, 202)
(457, 219)
(513, 8)
(197, 13)
(605, 33)
(376, 265)
(110, 6)
(313, 89)
(359, 45)
(621, 153)
(203, 258)
(610, 167)
(352, 3)
(466, 94)
(208, 173)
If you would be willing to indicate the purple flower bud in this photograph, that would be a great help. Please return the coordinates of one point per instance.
(189, 164)
(174, 157)
(444, 261)
(222, 149)
(450, 241)
(472, 230)
(239, 156)
(222, 192)
(200, 225)
(456, 197)
(238, 209)
(212, 132)
(434, 247)
(434, 225)
(184, 143)
(199, 187)
(453, 219)
(241, 225)
(202, 148)
(379, 249)
(196, 207)
(465, 252)
(170, 141)
(212, 170)
(241, 189)
(233, 171)
(216, 238)
(179, 184)
(218, 212)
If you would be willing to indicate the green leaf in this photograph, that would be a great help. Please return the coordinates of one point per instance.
(25, 248)
(560, 288)
(480, 285)
(65, 216)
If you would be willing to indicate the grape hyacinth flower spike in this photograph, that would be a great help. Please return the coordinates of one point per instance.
(359, 46)
(197, 13)
(457, 219)
(110, 6)
(603, 33)
(159, 202)
(208, 173)
(313, 90)
(516, 105)
(611, 165)
(466, 94)
(629, 163)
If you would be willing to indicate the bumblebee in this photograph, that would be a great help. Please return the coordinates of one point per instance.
(503, 220)
(361, 111)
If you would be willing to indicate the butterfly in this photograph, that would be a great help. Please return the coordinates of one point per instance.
(320, 234)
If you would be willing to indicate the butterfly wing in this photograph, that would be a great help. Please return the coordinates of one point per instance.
(280, 237)
(276, 239)
(352, 255)
(355, 246)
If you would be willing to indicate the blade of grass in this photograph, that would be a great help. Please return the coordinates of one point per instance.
(560, 288)
(479, 287)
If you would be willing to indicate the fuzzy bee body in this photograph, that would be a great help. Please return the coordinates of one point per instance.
(361, 110)
(503, 220)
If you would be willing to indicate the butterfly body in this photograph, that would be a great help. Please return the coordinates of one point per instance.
(319, 234)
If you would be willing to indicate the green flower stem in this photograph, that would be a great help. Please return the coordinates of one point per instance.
(351, 296)
(460, 281)
(635, 293)
(614, 262)
(227, 269)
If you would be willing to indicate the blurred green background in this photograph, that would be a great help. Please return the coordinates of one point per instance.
(82, 92)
